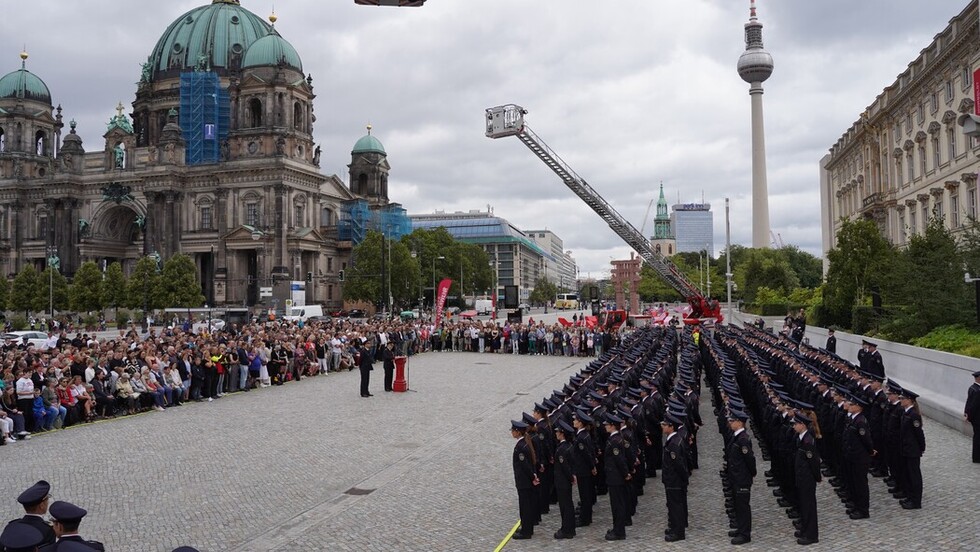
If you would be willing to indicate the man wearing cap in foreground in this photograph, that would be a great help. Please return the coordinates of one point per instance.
(35, 503)
(870, 361)
(67, 517)
(584, 470)
(675, 476)
(525, 479)
(972, 414)
(858, 450)
(18, 536)
(807, 474)
(564, 479)
(913, 445)
(617, 477)
(741, 469)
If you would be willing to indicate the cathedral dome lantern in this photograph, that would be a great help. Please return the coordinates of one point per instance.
(369, 170)
(24, 85)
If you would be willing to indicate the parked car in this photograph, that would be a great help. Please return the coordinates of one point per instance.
(321, 319)
(341, 313)
(38, 339)
(524, 306)
(356, 313)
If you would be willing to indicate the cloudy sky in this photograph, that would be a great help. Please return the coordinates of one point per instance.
(629, 92)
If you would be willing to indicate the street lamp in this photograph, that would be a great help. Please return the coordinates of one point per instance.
(434, 259)
(976, 282)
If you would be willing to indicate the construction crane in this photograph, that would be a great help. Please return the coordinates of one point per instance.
(776, 239)
(508, 120)
(646, 216)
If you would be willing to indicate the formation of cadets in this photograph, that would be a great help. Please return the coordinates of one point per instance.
(634, 412)
(33, 532)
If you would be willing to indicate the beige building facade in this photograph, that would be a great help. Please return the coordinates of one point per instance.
(906, 159)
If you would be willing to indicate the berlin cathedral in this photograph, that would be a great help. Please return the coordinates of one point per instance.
(216, 161)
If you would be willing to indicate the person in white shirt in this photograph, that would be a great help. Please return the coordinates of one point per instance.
(25, 398)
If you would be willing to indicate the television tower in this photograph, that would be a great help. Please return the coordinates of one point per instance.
(754, 66)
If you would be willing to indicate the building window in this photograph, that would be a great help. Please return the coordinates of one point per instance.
(922, 159)
(938, 209)
(329, 264)
(925, 213)
(933, 102)
(899, 174)
(936, 156)
(971, 200)
(910, 162)
(298, 118)
(912, 225)
(951, 139)
(901, 227)
(920, 113)
(949, 91)
(954, 211)
(3, 141)
(252, 214)
(326, 217)
(42, 227)
(897, 132)
(298, 219)
(254, 113)
(206, 218)
(330, 292)
(908, 123)
(966, 77)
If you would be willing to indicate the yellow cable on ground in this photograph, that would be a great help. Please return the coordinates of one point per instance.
(504, 542)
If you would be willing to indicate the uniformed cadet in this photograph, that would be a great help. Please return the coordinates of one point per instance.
(913, 445)
(807, 464)
(858, 450)
(972, 414)
(545, 440)
(35, 502)
(831, 341)
(617, 477)
(525, 479)
(564, 477)
(18, 536)
(675, 476)
(67, 517)
(741, 470)
(584, 467)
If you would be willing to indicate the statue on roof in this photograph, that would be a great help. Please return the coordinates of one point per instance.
(146, 69)
(202, 62)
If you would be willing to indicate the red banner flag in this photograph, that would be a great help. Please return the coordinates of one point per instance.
(443, 291)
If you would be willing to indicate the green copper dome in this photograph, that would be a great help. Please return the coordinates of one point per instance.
(209, 37)
(271, 50)
(369, 144)
(24, 84)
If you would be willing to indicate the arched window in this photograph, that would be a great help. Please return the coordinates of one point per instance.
(3, 141)
(299, 121)
(279, 110)
(254, 113)
(41, 143)
(299, 216)
(362, 180)
(326, 217)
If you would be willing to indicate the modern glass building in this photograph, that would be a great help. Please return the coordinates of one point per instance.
(518, 259)
(693, 225)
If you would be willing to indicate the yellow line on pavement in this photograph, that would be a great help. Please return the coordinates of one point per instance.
(504, 542)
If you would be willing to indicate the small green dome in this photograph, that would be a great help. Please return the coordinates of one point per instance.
(212, 35)
(369, 144)
(271, 50)
(24, 84)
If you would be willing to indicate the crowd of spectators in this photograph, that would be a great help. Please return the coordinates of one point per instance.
(80, 379)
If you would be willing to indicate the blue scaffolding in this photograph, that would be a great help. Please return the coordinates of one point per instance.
(357, 218)
(205, 112)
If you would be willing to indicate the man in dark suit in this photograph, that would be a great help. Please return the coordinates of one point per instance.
(675, 477)
(67, 517)
(564, 479)
(807, 475)
(388, 357)
(366, 364)
(972, 414)
(17, 536)
(584, 456)
(831, 341)
(740, 462)
(858, 450)
(617, 477)
(35, 503)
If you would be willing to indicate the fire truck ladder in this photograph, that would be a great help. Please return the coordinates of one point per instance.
(508, 120)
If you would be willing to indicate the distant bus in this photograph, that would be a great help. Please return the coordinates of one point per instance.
(566, 301)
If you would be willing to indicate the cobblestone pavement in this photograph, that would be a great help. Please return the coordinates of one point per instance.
(312, 466)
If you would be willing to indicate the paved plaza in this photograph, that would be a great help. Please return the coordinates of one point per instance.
(312, 466)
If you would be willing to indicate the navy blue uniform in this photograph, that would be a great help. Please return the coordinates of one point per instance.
(807, 464)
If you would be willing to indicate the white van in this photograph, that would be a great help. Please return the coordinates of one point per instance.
(296, 314)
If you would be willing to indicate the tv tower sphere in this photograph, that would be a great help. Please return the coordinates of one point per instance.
(755, 63)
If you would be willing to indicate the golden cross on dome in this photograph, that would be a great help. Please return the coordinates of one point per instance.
(119, 110)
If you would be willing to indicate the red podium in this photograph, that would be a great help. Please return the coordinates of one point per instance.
(400, 385)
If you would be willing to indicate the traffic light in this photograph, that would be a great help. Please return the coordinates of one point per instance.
(309, 276)
(341, 275)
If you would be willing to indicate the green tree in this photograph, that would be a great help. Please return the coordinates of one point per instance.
(931, 285)
(52, 289)
(143, 290)
(654, 289)
(764, 268)
(808, 269)
(23, 290)
(767, 296)
(86, 292)
(178, 285)
(114, 286)
(859, 262)
(544, 292)
(364, 274)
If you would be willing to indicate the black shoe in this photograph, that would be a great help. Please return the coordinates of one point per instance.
(733, 533)
(562, 535)
(859, 515)
(365, 396)
(741, 539)
(580, 523)
(521, 535)
(610, 536)
(900, 495)
(672, 537)
(798, 534)
(910, 506)
(805, 542)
